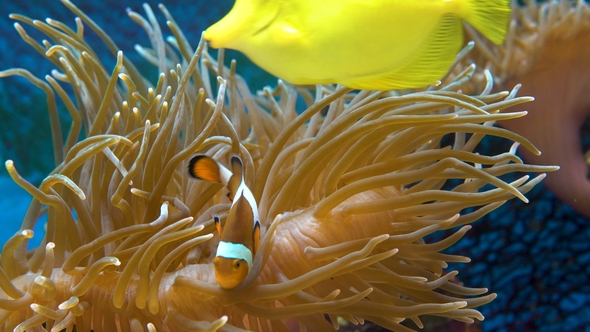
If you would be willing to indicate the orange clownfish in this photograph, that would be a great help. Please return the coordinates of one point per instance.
(240, 237)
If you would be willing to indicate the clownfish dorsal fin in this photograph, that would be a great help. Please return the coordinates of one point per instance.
(236, 165)
(237, 177)
(205, 168)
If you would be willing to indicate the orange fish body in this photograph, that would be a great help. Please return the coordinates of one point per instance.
(240, 237)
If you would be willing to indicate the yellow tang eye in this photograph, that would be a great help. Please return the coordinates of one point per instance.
(236, 264)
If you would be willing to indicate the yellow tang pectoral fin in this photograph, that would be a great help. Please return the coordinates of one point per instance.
(204, 168)
(426, 66)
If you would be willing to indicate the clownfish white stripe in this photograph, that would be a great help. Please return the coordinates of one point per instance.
(244, 191)
(235, 251)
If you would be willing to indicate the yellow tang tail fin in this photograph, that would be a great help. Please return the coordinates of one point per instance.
(490, 17)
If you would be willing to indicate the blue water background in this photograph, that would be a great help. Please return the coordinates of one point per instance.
(536, 256)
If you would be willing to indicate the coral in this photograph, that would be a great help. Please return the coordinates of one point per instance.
(347, 190)
(547, 51)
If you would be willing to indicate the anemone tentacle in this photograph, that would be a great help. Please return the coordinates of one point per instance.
(348, 190)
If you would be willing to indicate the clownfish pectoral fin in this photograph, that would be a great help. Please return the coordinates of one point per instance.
(256, 235)
(205, 168)
(217, 224)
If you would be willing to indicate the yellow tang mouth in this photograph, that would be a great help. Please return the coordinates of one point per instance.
(244, 21)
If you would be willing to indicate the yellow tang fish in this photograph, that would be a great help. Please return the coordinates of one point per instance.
(240, 237)
(362, 44)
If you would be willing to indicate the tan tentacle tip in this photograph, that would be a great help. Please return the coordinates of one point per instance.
(210, 102)
(206, 237)
(41, 280)
(218, 323)
(332, 295)
(35, 307)
(50, 245)
(47, 312)
(449, 222)
(459, 304)
(164, 208)
(27, 233)
(465, 228)
(380, 238)
(70, 303)
(140, 193)
(9, 164)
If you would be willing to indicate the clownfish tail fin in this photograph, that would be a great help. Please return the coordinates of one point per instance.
(202, 167)
(205, 168)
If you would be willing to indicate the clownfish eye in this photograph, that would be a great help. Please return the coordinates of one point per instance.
(236, 264)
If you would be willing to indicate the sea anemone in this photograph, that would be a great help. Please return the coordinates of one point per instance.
(347, 191)
(547, 50)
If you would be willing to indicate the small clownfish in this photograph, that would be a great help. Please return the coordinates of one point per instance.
(361, 44)
(240, 237)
